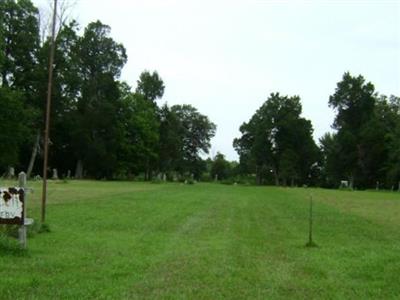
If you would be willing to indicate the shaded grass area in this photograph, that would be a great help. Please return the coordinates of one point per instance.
(208, 241)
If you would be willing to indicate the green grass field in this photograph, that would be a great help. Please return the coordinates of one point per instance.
(119, 240)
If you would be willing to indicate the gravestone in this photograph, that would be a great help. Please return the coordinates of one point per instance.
(10, 173)
(55, 174)
(344, 184)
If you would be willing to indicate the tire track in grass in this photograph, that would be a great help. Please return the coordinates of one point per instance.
(182, 254)
(232, 251)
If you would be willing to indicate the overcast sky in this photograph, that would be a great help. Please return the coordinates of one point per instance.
(226, 57)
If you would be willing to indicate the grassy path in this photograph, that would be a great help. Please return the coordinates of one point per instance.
(207, 241)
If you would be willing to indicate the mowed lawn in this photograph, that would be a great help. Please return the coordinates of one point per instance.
(124, 240)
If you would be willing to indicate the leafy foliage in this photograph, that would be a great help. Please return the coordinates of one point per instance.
(150, 86)
(102, 129)
(13, 129)
(363, 149)
(277, 142)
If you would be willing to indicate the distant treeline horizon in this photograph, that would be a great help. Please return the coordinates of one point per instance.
(102, 128)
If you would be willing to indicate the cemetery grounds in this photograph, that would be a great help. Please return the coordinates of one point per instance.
(135, 240)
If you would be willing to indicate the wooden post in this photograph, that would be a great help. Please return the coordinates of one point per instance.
(310, 240)
(310, 228)
(48, 106)
(22, 228)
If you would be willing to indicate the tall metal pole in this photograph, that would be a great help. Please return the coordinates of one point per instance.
(48, 107)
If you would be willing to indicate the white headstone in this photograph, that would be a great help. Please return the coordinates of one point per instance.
(55, 174)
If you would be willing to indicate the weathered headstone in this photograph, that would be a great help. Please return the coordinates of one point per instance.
(164, 177)
(69, 174)
(55, 174)
(351, 183)
(216, 177)
(344, 184)
(10, 173)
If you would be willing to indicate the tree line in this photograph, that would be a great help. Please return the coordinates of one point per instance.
(100, 127)
(364, 149)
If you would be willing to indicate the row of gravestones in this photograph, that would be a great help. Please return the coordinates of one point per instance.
(175, 177)
(345, 184)
(10, 174)
(163, 177)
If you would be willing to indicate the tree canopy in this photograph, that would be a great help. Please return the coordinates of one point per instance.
(277, 142)
(103, 128)
(99, 128)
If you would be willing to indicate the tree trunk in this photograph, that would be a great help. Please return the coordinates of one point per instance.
(35, 150)
(79, 169)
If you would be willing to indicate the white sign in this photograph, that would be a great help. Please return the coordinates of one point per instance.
(11, 205)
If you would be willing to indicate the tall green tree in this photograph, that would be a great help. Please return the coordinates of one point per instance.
(14, 121)
(278, 142)
(388, 112)
(150, 87)
(96, 132)
(332, 166)
(220, 167)
(196, 131)
(66, 86)
(170, 143)
(354, 102)
(19, 45)
(140, 125)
